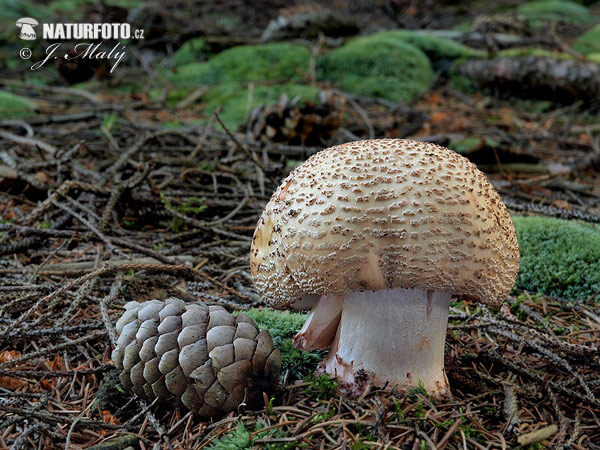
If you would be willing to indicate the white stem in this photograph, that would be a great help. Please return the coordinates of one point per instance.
(397, 335)
(320, 328)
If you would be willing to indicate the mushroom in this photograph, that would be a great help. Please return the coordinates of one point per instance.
(26, 25)
(376, 236)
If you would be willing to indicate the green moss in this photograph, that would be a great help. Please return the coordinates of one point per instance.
(377, 67)
(461, 83)
(13, 106)
(274, 61)
(532, 51)
(282, 326)
(564, 11)
(434, 47)
(12, 10)
(127, 4)
(172, 97)
(193, 51)
(69, 7)
(588, 42)
(558, 257)
(594, 57)
(234, 99)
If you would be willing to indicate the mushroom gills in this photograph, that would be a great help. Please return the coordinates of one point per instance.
(320, 327)
(394, 336)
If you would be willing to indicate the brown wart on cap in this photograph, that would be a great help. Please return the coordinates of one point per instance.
(376, 236)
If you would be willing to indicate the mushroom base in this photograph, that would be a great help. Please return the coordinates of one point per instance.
(391, 337)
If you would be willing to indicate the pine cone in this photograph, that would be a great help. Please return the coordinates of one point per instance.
(194, 355)
(294, 123)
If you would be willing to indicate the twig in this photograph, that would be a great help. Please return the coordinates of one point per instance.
(537, 435)
(52, 349)
(20, 441)
(31, 142)
(243, 148)
(112, 295)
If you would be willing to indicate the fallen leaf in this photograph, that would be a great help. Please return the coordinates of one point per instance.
(561, 204)
(108, 417)
(8, 355)
(10, 383)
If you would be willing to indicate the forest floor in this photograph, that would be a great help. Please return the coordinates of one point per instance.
(109, 195)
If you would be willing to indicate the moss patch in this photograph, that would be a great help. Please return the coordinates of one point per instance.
(594, 57)
(128, 4)
(275, 61)
(69, 7)
(13, 106)
(588, 42)
(15, 9)
(558, 257)
(564, 11)
(532, 51)
(283, 325)
(434, 47)
(237, 100)
(193, 51)
(377, 67)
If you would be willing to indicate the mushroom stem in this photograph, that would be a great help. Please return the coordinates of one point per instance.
(395, 335)
(321, 326)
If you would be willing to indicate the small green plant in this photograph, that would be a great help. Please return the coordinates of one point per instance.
(273, 434)
(322, 387)
(419, 390)
(318, 418)
(109, 120)
(130, 224)
(238, 439)
(159, 246)
(242, 439)
(536, 446)
(470, 431)
(363, 432)
(192, 205)
(44, 225)
(398, 411)
(445, 424)
(420, 412)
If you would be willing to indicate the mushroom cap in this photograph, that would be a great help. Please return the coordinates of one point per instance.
(384, 214)
(26, 21)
